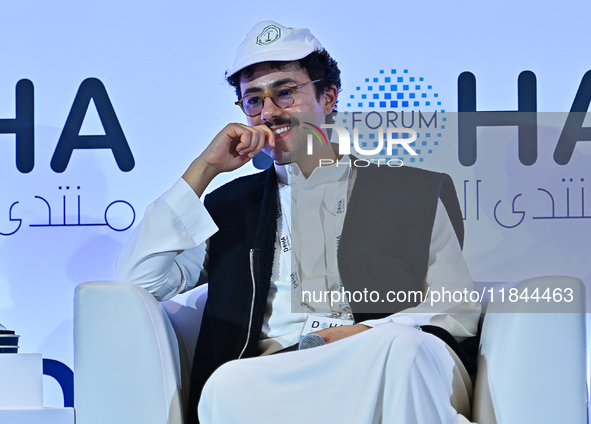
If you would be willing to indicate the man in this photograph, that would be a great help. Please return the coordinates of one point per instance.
(242, 245)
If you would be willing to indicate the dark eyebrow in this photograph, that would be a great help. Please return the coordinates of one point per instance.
(274, 85)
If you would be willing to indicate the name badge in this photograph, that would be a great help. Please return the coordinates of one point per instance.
(320, 322)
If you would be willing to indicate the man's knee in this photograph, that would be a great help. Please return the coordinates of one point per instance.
(409, 341)
(399, 334)
(226, 374)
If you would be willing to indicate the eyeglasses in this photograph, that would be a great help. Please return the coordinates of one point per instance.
(282, 97)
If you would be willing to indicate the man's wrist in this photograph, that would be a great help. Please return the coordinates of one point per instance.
(199, 175)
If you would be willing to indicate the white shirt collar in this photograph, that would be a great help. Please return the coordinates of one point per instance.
(290, 173)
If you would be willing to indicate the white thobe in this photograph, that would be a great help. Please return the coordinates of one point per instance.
(166, 254)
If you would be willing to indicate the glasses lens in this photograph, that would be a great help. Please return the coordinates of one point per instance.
(283, 97)
(252, 105)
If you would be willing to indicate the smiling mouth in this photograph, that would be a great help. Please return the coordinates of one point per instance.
(281, 130)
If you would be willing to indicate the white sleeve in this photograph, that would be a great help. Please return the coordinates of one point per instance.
(166, 251)
(447, 274)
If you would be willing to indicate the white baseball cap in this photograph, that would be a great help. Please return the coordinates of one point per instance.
(270, 41)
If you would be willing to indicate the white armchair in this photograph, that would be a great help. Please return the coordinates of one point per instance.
(132, 354)
(532, 366)
(133, 358)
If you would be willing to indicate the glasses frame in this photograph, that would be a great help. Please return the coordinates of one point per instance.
(269, 94)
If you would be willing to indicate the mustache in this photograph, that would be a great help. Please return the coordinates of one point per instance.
(294, 122)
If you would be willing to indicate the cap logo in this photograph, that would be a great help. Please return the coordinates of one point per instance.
(269, 35)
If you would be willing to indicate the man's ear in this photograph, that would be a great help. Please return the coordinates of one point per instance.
(329, 99)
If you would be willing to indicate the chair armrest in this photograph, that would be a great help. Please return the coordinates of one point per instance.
(532, 366)
(185, 312)
(126, 357)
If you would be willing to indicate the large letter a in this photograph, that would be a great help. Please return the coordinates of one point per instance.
(71, 139)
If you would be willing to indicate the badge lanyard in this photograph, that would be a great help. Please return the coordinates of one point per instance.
(340, 309)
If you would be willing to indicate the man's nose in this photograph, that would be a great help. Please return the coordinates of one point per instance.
(270, 109)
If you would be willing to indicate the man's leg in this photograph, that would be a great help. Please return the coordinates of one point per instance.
(389, 374)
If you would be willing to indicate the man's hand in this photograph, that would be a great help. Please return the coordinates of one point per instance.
(333, 334)
(233, 147)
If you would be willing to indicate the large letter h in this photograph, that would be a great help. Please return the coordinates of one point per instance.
(469, 119)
